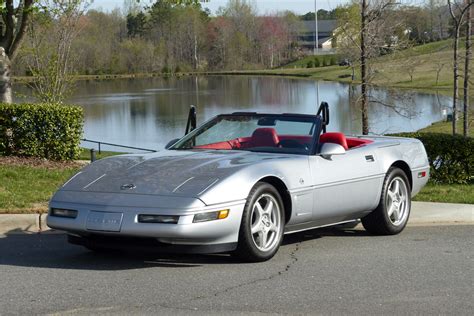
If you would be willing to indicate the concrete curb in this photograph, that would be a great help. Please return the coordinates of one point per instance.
(441, 213)
(423, 213)
(22, 223)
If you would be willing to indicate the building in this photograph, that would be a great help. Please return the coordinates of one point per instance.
(306, 38)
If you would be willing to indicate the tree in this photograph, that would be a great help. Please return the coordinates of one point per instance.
(14, 23)
(272, 34)
(467, 62)
(56, 26)
(367, 30)
(136, 24)
(458, 12)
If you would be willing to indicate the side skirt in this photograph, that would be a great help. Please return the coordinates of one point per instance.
(312, 225)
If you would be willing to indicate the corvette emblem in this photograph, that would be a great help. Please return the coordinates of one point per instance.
(129, 186)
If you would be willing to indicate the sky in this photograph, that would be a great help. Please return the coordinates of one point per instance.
(263, 6)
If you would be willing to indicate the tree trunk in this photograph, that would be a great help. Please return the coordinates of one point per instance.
(466, 73)
(455, 76)
(363, 69)
(5, 80)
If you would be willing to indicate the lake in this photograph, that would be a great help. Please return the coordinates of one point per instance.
(149, 112)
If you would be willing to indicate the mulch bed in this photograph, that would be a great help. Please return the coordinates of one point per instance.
(40, 163)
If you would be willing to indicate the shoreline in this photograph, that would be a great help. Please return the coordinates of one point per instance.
(295, 73)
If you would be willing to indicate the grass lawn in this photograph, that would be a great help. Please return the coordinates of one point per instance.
(392, 70)
(447, 127)
(27, 188)
(447, 193)
(86, 154)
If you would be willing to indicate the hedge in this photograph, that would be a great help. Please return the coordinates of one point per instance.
(451, 157)
(41, 130)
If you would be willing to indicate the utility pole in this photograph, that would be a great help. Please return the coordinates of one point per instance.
(316, 33)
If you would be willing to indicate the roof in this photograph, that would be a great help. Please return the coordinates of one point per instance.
(324, 26)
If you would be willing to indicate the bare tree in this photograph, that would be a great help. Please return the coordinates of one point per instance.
(363, 68)
(457, 11)
(376, 34)
(439, 68)
(52, 58)
(466, 71)
(14, 23)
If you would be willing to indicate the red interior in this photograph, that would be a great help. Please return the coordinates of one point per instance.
(267, 137)
(336, 138)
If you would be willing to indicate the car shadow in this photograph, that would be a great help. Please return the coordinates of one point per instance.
(51, 250)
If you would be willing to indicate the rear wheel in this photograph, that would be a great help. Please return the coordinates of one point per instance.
(391, 215)
(261, 229)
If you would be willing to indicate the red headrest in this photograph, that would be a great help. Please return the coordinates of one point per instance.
(336, 138)
(264, 137)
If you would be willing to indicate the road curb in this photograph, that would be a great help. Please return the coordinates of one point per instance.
(423, 213)
(22, 223)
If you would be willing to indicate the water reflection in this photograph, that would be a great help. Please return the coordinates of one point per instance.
(149, 112)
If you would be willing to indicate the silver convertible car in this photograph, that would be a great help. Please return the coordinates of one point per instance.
(238, 183)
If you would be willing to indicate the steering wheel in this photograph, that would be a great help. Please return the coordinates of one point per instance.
(291, 143)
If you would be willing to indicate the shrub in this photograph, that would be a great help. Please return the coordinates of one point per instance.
(41, 130)
(165, 70)
(309, 64)
(327, 62)
(317, 63)
(333, 61)
(177, 69)
(451, 157)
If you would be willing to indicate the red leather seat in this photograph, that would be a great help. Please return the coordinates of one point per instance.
(264, 137)
(335, 138)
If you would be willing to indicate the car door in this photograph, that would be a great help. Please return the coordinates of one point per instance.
(345, 186)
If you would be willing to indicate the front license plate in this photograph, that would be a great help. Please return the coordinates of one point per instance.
(104, 221)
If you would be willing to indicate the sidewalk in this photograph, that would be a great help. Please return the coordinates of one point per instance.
(422, 214)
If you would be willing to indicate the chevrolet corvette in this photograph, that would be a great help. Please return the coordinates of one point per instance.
(238, 183)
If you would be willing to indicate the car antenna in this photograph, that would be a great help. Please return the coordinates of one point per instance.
(191, 124)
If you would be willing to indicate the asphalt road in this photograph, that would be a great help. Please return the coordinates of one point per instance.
(425, 270)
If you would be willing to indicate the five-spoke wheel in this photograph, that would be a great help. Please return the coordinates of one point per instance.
(397, 206)
(391, 215)
(263, 219)
(265, 222)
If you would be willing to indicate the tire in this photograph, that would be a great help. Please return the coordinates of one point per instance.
(391, 215)
(264, 212)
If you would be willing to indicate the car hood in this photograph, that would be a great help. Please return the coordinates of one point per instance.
(170, 172)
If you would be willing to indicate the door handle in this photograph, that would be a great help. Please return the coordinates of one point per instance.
(369, 158)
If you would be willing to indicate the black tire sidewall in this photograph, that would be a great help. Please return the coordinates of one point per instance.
(394, 173)
(246, 247)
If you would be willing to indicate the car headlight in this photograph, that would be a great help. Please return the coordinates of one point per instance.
(59, 212)
(158, 219)
(210, 216)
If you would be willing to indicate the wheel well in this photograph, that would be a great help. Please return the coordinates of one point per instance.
(283, 190)
(404, 166)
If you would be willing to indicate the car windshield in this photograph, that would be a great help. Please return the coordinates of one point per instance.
(253, 132)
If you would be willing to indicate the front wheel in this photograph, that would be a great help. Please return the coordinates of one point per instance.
(261, 229)
(391, 215)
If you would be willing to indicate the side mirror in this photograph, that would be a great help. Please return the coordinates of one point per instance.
(171, 143)
(329, 149)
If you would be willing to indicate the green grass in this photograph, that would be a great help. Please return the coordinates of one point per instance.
(447, 193)
(447, 127)
(26, 189)
(390, 70)
(86, 154)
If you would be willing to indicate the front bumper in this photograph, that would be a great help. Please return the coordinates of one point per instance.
(140, 244)
(185, 232)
